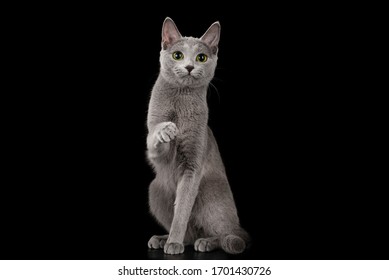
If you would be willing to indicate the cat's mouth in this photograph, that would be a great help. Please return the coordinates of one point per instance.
(189, 76)
(188, 79)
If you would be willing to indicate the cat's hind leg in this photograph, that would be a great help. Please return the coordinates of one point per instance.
(215, 213)
(207, 244)
(157, 241)
(230, 243)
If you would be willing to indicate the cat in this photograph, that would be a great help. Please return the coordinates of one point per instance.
(190, 195)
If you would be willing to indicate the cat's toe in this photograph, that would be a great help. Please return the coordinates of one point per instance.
(167, 133)
(162, 243)
(156, 242)
(174, 248)
(203, 245)
(153, 243)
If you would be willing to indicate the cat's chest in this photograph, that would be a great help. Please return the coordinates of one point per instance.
(187, 111)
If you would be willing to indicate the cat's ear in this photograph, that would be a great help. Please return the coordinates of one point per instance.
(211, 36)
(170, 33)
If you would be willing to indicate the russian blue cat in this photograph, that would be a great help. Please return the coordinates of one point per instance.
(190, 195)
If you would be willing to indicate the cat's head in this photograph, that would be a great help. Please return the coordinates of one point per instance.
(188, 61)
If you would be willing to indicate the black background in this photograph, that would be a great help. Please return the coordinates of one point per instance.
(76, 178)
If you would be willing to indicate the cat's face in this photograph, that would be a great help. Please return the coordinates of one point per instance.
(188, 61)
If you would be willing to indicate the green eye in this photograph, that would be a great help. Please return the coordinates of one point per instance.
(178, 55)
(201, 57)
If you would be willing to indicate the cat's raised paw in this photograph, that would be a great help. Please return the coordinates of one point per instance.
(157, 241)
(167, 132)
(174, 248)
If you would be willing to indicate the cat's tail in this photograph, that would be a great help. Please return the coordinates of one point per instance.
(233, 244)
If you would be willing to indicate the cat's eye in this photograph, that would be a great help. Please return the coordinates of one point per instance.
(178, 55)
(201, 57)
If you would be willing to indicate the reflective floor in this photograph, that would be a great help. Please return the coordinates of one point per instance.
(191, 254)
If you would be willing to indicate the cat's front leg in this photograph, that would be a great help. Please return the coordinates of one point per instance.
(159, 138)
(187, 190)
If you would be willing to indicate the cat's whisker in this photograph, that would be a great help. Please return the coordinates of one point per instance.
(218, 79)
(217, 91)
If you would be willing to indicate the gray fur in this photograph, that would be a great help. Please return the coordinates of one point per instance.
(190, 195)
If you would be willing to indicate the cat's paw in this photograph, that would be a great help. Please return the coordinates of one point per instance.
(157, 241)
(174, 248)
(204, 245)
(167, 132)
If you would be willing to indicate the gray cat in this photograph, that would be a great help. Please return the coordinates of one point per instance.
(190, 195)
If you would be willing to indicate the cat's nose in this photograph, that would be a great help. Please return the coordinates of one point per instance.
(189, 68)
